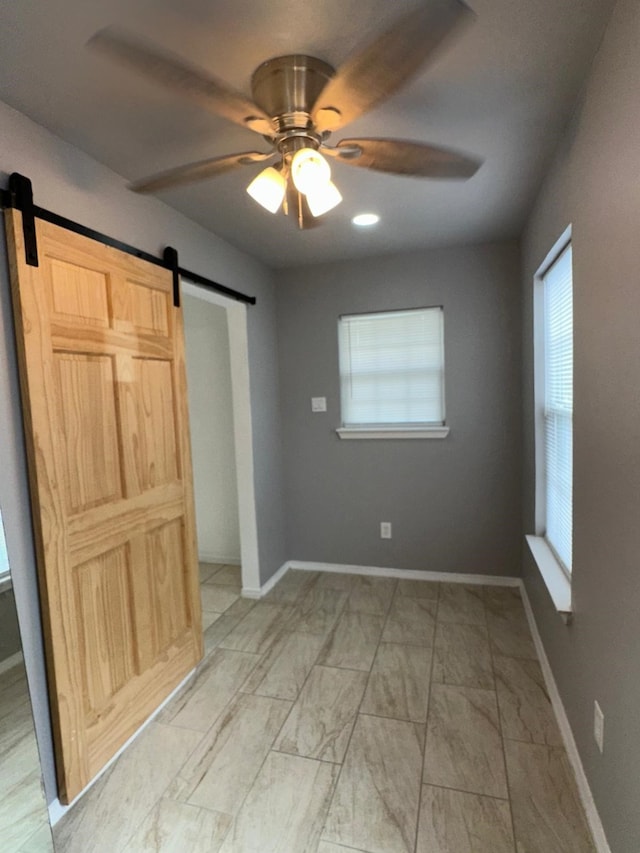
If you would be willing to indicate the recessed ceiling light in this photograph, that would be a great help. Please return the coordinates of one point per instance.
(366, 219)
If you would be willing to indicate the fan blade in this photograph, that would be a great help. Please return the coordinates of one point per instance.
(171, 71)
(298, 209)
(375, 73)
(197, 171)
(404, 158)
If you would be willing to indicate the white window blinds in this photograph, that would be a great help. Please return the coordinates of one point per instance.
(392, 368)
(558, 407)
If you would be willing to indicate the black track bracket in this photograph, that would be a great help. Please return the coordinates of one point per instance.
(22, 197)
(170, 257)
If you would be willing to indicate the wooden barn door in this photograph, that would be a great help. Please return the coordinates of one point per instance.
(101, 355)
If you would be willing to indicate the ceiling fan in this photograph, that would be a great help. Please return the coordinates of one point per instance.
(298, 101)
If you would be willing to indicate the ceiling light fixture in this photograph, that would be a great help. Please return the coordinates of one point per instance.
(323, 199)
(311, 176)
(297, 101)
(310, 171)
(365, 220)
(268, 189)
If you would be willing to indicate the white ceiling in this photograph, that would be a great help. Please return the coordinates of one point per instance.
(502, 91)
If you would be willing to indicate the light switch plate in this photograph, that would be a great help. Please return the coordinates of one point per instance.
(318, 404)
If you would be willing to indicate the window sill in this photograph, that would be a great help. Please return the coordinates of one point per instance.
(5, 583)
(393, 432)
(554, 576)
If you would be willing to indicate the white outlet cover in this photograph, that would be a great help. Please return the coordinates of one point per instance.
(318, 404)
(385, 530)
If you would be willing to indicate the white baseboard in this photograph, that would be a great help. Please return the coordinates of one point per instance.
(405, 574)
(218, 558)
(377, 571)
(259, 592)
(10, 662)
(586, 797)
(57, 810)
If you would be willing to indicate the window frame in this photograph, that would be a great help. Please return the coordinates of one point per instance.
(556, 575)
(402, 430)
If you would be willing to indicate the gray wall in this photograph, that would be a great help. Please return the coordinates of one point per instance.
(595, 186)
(455, 503)
(74, 185)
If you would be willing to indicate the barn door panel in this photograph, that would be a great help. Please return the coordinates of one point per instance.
(101, 356)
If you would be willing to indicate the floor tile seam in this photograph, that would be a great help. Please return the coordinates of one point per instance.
(319, 608)
(237, 623)
(209, 608)
(236, 698)
(555, 747)
(463, 624)
(324, 634)
(204, 808)
(212, 580)
(512, 739)
(307, 757)
(206, 731)
(246, 651)
(394, 719)
(250, 786)
(502, 738)
(445, 622)
(218, 612)
(344, 846)
(504, 700)
(161, 796)
(367, 612)
(458, 684)
(204, 734)
(466, 791)
(355, 716)
(314, 664)
(357, 713)
(512, 657)
(208, 654)
(426, 726)
(295, 701)
(223, 584)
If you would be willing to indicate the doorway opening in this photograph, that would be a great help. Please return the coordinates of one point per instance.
(217, 353)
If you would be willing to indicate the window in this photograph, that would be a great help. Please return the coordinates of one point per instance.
(392, 374)
(553, 345)
(5, 582)
(558, 406)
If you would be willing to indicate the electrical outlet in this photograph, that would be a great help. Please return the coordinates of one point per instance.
(385, 530)
(598, 726)
(318, 404)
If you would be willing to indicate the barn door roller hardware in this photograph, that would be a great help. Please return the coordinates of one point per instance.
(19, 196)
(170, 257)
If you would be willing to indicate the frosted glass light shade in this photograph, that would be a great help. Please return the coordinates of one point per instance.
(323, 199)
(268, 189)
(309, 170)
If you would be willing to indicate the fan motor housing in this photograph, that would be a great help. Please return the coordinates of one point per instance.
(287, 87)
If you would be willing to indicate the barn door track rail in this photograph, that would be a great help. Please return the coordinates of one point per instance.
(19, 196)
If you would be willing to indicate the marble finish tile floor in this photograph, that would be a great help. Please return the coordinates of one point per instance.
(344, 714)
